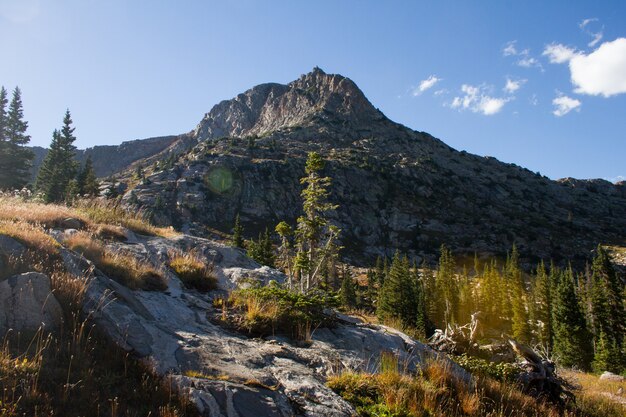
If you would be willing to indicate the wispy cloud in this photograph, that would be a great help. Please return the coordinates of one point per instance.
(426, 84)
(564, 104)
(558, 53)
(597, 35)
(524, 58)
(509, 49)
(478, 100)
(512, 86)
(601, 72)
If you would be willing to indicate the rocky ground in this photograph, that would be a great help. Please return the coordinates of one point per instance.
(223, 372)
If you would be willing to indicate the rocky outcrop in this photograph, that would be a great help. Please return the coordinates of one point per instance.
(396, 188)
(27, 305)
(223, 372)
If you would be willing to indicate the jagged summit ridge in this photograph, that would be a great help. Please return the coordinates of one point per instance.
(269, 107)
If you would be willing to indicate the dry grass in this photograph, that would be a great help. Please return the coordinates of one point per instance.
(598, 396)
(78, 372)
(126, 269)
(436, 391)
(32, 236)
(193, 271)
(92, 213)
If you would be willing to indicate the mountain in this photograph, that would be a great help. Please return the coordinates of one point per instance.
(396, 188)
(110, 159)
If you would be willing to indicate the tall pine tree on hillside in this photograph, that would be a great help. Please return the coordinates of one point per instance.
(542, 307)
(572, 344)
(348, 290)
(447, 288)
(397, 298)
(520, 325)
(238, 233)
(607, 308)
(58, 167)
(87, 182)
(15, 158)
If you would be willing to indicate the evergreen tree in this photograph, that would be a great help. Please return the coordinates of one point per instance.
(86, 180)
(348, 290)
(58, 167)
(447, 287)
(542, 310)
(238, 233)
(607, 356)
(421, 320)
(314, 235)
(397, 296)
(520, 323)
(15, 158)
(572, 344)
(380, 271)
(607, 305)
(429, 293)
(262, 250)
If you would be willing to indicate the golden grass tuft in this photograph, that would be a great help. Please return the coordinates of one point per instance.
(193, 271)
(126, 269)
(31, 235)
(92, 213)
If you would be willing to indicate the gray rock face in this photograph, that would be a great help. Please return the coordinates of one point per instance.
(610, 376)
(396, 188)
(226, 373)
(27, 304)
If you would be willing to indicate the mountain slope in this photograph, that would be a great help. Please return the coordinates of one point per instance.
(396, 187)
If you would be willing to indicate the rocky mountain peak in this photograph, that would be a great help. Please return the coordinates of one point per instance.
(270, 107)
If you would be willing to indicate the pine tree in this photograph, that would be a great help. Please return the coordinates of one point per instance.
(314, 235)
(607, 305)
(262, 250)
(421, 317)
(15, 158)
(447, 287)
(607, 355)
(348, 290)
(58, 167)
(397, 296)
(238, 233)
(86, 180)
(520, 325)
(542, 297)
(572, 344)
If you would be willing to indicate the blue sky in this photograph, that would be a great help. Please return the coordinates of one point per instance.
(540, 84)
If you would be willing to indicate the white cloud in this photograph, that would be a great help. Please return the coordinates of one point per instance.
(558, 53)
(585, 22)
(426, 84)
(534, 100)
(564, 104)
(601, 72)
(477, 100)
(512, 86)
(509, 49)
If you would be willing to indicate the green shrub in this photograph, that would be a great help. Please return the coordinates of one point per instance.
(499, 371)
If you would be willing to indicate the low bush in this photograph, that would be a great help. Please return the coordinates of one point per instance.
(499, 371)
(193, 272)
(273, 309)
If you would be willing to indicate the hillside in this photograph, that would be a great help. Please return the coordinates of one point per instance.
(110, 159)
(396, 188)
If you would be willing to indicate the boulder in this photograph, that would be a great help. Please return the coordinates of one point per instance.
(610, 376)
(28, 304)
(71, 223)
